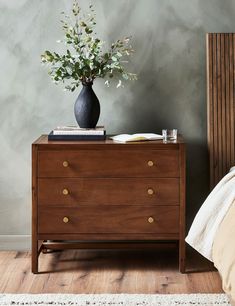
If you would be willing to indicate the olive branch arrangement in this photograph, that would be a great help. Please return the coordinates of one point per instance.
(86, 57)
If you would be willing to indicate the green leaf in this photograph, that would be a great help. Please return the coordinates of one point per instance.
(106, 56)
(48, 53)
(84, 58)
(88, 30)
(125, 76)
(119, 54)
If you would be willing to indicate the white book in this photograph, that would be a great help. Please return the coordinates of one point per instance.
(75, 130)
(136, 137)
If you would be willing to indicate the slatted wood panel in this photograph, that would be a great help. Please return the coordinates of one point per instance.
(220, 103)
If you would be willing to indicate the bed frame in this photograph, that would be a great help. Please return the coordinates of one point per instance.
(220, 103)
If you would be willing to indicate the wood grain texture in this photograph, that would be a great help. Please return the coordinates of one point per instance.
(109, 237)
(34, 259)
(107, 196)
(90, 191)
(153, 271)
(107, 163)
(182, 211)
(111, 219)
(220, 103)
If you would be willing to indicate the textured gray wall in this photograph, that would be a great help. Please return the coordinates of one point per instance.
(169, 38)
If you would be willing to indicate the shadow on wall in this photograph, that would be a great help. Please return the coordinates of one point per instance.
(197, 178)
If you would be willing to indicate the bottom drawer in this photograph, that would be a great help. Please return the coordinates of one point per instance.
(114, 219)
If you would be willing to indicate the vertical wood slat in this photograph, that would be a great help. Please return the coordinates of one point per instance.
(220, 103)
(218, 89)
(232, 103)
(227, 101)
(210, 113)
(223, 108)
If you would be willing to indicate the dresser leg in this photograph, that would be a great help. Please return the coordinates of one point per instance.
(182, 255)
(34, 257)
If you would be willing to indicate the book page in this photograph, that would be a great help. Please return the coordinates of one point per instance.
(136, 137)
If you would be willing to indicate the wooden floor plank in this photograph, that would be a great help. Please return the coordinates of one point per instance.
(116, 271)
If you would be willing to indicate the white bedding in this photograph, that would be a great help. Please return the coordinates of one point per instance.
(202, 232)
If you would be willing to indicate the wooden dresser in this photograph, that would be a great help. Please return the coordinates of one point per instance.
(101, 194)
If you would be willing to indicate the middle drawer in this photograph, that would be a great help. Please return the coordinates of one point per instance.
(100, 191)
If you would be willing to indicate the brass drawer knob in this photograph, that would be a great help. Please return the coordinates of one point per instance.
(65, 164)
(65, 219)
(150, 191)
(150, 163)
(65, 191)
(150, 220)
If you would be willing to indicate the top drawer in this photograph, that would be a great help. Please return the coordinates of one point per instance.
(108, 163)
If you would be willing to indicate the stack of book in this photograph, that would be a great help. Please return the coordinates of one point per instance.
(77, 133)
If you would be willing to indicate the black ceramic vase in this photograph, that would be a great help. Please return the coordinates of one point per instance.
(87, 107)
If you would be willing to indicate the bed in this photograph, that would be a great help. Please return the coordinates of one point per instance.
(213, 230)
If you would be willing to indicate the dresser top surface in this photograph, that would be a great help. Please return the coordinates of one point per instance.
(42, 141)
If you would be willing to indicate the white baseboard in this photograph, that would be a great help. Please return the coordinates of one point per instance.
(15, 242)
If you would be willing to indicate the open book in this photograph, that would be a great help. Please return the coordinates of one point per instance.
(136, 137)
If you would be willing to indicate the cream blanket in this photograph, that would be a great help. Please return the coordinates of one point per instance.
(224, 252)
(208, 219)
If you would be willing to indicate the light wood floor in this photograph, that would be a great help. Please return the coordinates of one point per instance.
(106, 272)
